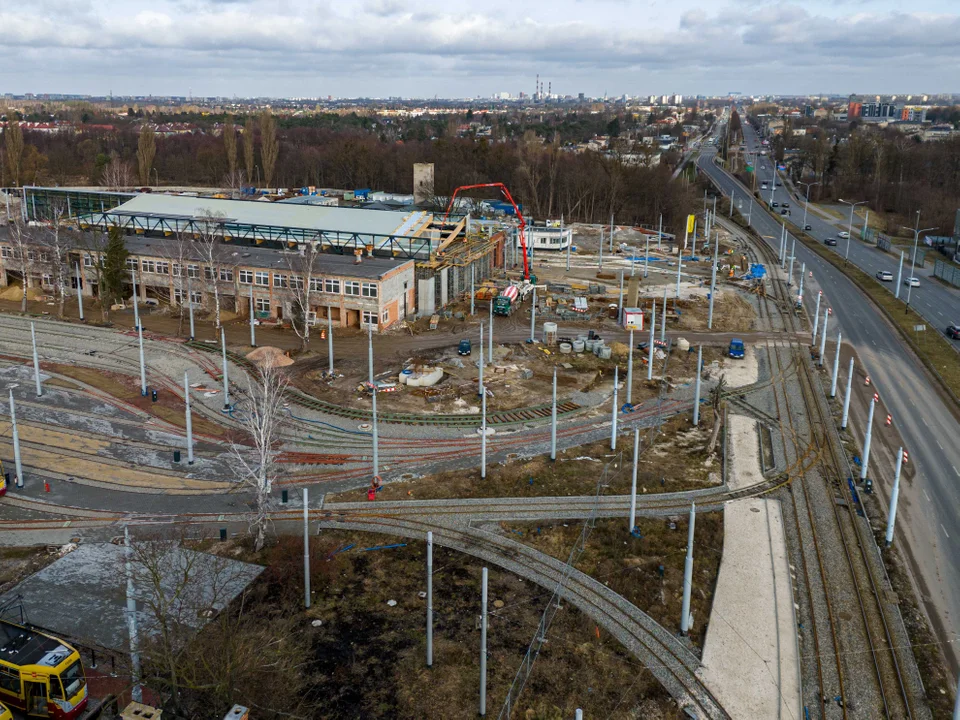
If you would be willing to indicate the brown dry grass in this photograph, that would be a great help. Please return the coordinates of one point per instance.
(731, 313)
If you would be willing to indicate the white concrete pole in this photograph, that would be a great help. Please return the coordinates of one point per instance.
(866, 441)
(846, 397)
(579, 714)
(894, 498)
(803, 271)
(472, 293)
(956, 706)
(620, 300)
(823, 336)
(370, 350)
(136, 304)
(306, 548)
(136, 692)
(663, 318)
(36, 360)
(790, 271)
(490, 336)
(429, 598)
(696, 392)
(143, 364)
(630, 371)
(79, 292)
(688, 574)
(836, 366)
(653, 324)
(193, 333)
(483, 433)
(816, 318)
(613, 421)
(483, 644)
(533, 316)
(226, 380)
(569, 244)
(553, 419)
(679, 267)
(600, 256)
(646, 258)
(186, 398)
(896, 293)
(376, 439)
(660, 233)
(633, 479)
(15, 435)
(713, 283)
(481, 363)
(330, 340)
(253, 323)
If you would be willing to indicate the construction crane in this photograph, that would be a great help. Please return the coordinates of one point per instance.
(509, 197)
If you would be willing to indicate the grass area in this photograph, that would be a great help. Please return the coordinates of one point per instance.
(677, 461)
(632, 566)
(168, 407)
(934, 350)
(359, 656)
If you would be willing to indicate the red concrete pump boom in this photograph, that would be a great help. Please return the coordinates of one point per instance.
(509, 197)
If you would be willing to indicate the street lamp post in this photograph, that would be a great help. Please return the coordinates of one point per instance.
(806, 202)
(913, 260)
(850, 225)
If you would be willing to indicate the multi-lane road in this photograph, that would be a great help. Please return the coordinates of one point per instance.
(929, 515)
(938, 304)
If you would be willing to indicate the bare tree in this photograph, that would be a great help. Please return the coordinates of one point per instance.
(230, 145)
(116, 174)
(146, 151)
(22, 241)
(260, 413)
(234, 180)
(716, 399)
(249, 129)
(94, 244)
(177, 249)
(304, 282)
(57, 241)
(215, 255)
(13, 143)
(269, 146)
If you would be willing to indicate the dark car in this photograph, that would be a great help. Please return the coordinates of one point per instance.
(808, 227)
(464, 348)
(784, 212)
(830, 241)
(779, 184)
(786, 204)
(953, 331)
(774, 204)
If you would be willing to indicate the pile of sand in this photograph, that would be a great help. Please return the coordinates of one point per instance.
(268, 356)
(13, 293)
(227, 316)
(620, 349)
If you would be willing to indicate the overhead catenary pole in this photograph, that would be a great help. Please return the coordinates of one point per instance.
(866, 441)
(375, 433)
(679, 267)
(533, 316)
(816, 318)
(653, 324)
(370, 351)
(490, 336)
(956, 705)
(660, 233)
(894, 497)
(136, 692)
(483, 433)
(620, 301)
(480, 364)
(836, 366)
(483, 643)
(896, 293)
(600, 255)
(79, 292)
(36, 360)
(688, 573)
(663, 318)
(823, 336)
(633, 480)
(569, 244)
(193, 333)
(429, 598)
(306, 548)
(253, 323)
(611, 232)
(613, 421)
(226, 380)
(553, 419)
(846, 397)
(472, 293)
(143, 364)
(630, 371)
(330, 340)
(696, 392)
(136, 304)
(186, 399)
(646, 257)
(713, 281)
(15, 436)
(803, 271)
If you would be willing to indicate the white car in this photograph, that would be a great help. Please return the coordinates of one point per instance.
(884, 276)
(912, 281)
(843, 235)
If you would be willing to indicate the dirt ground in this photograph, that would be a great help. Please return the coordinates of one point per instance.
(364, 646)
(677, 461)
(631, 566)
(16, 563)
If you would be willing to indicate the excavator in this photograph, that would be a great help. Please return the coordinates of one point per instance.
(521, 226)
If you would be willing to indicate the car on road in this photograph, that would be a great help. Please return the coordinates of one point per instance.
(830, 241)
(784, 212)
(774, 204)
(912, 281)
(953, 331)
(843, 235)
(808, 227)
(736, 349)
(785, 204)
(464, 348)
(884, 276)
(779, 184)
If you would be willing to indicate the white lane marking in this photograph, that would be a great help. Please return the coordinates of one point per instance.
(955, 470)
(945, 531)
(938, 442)
(924, 421)
(874, 342)
(927, 496)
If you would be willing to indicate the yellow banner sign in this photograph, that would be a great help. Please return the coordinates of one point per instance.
(691, 219)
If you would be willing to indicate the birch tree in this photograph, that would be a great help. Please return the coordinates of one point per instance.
(57, 242)
(20, 238)
(94, 244)
(116, 174)
(230, 145)
(215, 256)
(260, 411)
(13, 144)
(269, 146)
(177, 249)
(304, 282)
(146, 151)
(248, 152)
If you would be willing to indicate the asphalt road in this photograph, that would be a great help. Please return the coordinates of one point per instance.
(938, 304)
(928, 524)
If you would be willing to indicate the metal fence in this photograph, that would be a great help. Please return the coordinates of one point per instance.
(947, 272)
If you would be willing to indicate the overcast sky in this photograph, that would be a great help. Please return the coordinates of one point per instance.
(452, 48)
